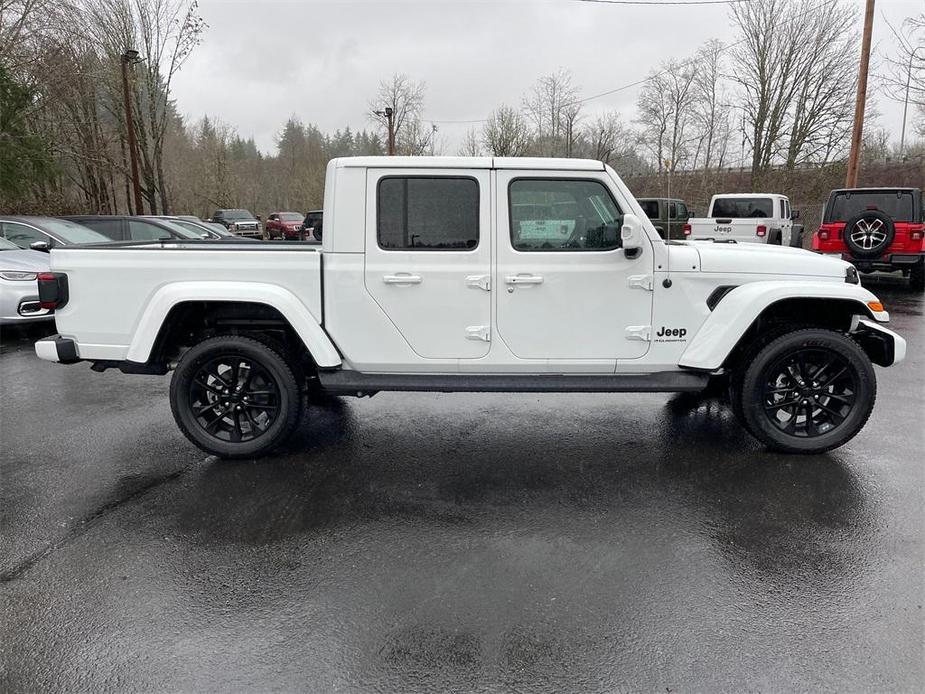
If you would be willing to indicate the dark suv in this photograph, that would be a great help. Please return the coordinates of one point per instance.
(876, 229)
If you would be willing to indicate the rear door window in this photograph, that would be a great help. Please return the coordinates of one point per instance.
(110, 228)
(428, 213)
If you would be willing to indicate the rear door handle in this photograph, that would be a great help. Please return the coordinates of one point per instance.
(524, 279)
(402, 278)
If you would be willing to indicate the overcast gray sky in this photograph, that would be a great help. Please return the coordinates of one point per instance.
(263, 60)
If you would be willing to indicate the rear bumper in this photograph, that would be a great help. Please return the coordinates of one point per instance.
(891, 262)
(58, 349)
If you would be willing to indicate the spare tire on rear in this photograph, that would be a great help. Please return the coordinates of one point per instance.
(869, 233)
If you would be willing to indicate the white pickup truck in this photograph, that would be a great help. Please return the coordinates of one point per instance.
(748, 218)
(474, 274)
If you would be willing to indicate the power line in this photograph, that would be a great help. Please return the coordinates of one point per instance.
(665, 2)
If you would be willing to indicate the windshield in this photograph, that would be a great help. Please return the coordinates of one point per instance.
(899, 205)
(742, 208)
(649, 207)
(236, 214)
(290, 216)
(191, 226)
(8, 245)
(72, 232)
(180, 230)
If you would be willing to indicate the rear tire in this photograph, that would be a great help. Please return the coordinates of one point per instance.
(808, 391)
(235, 397)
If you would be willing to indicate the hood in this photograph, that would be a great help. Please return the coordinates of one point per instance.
(27, 261)
(762, 259)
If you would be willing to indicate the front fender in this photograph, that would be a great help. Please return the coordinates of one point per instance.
(164, 299)
(738, 309)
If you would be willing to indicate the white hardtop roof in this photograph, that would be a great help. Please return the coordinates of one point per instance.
(471, 163)
(749, 195)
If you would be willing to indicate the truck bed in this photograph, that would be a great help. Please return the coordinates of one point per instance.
(115, 286)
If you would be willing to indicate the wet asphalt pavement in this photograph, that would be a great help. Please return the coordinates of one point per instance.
(419, 543)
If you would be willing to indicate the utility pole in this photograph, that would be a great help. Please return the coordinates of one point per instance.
(131, 56)
(902, 137)
(389, 116)
(851, 180)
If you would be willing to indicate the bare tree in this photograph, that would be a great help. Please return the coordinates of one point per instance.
(554, 108)
(471, 145)
(710, 110)
(406, 99)
(794, 66)
(665, 113)
(506, 133)
(606, 138)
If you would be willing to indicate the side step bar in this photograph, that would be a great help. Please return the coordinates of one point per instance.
(347, 382)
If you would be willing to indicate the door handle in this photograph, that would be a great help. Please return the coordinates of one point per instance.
(402, 278)
(524, 279)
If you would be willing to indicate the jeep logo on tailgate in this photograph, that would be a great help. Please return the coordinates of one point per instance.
(723, 230)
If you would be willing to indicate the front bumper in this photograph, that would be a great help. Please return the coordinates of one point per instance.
(58, 349)
(883, 346)
(19, 303)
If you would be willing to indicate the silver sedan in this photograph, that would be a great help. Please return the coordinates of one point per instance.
(19, 291)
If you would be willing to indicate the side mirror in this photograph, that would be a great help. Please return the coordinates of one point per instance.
(42, 246)
(205, 235)
(258, 217)
(794, 214)
(632, 236)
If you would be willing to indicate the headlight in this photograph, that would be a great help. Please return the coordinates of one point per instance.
(851, 275)
(17, 276)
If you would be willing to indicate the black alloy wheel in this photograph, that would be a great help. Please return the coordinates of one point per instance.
(235, 396)
(808, 391)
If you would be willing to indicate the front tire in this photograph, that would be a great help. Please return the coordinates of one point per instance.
(808, 391)
(235, 397)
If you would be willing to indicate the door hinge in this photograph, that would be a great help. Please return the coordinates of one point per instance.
(478, 332)
(642, 333)
(640, 282)
(479, 281)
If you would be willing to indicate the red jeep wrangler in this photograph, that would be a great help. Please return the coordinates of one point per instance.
(283, 225)
(876, 229)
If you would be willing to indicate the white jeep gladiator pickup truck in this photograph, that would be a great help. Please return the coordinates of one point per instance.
(474, 274)
(748, 218)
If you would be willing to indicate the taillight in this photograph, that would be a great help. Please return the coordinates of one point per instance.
(687, 229)
(916, 233)
(761, 230)
(823, 234)
(53, 292)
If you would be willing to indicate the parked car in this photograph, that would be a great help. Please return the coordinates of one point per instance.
(44, 233)
(283, 225)
(131, 228)
(205, 230)
(668, 215)
(876, 229)
(238, 222)
(311, 226)
(19, 291)
(431, 283)
(748, 218)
